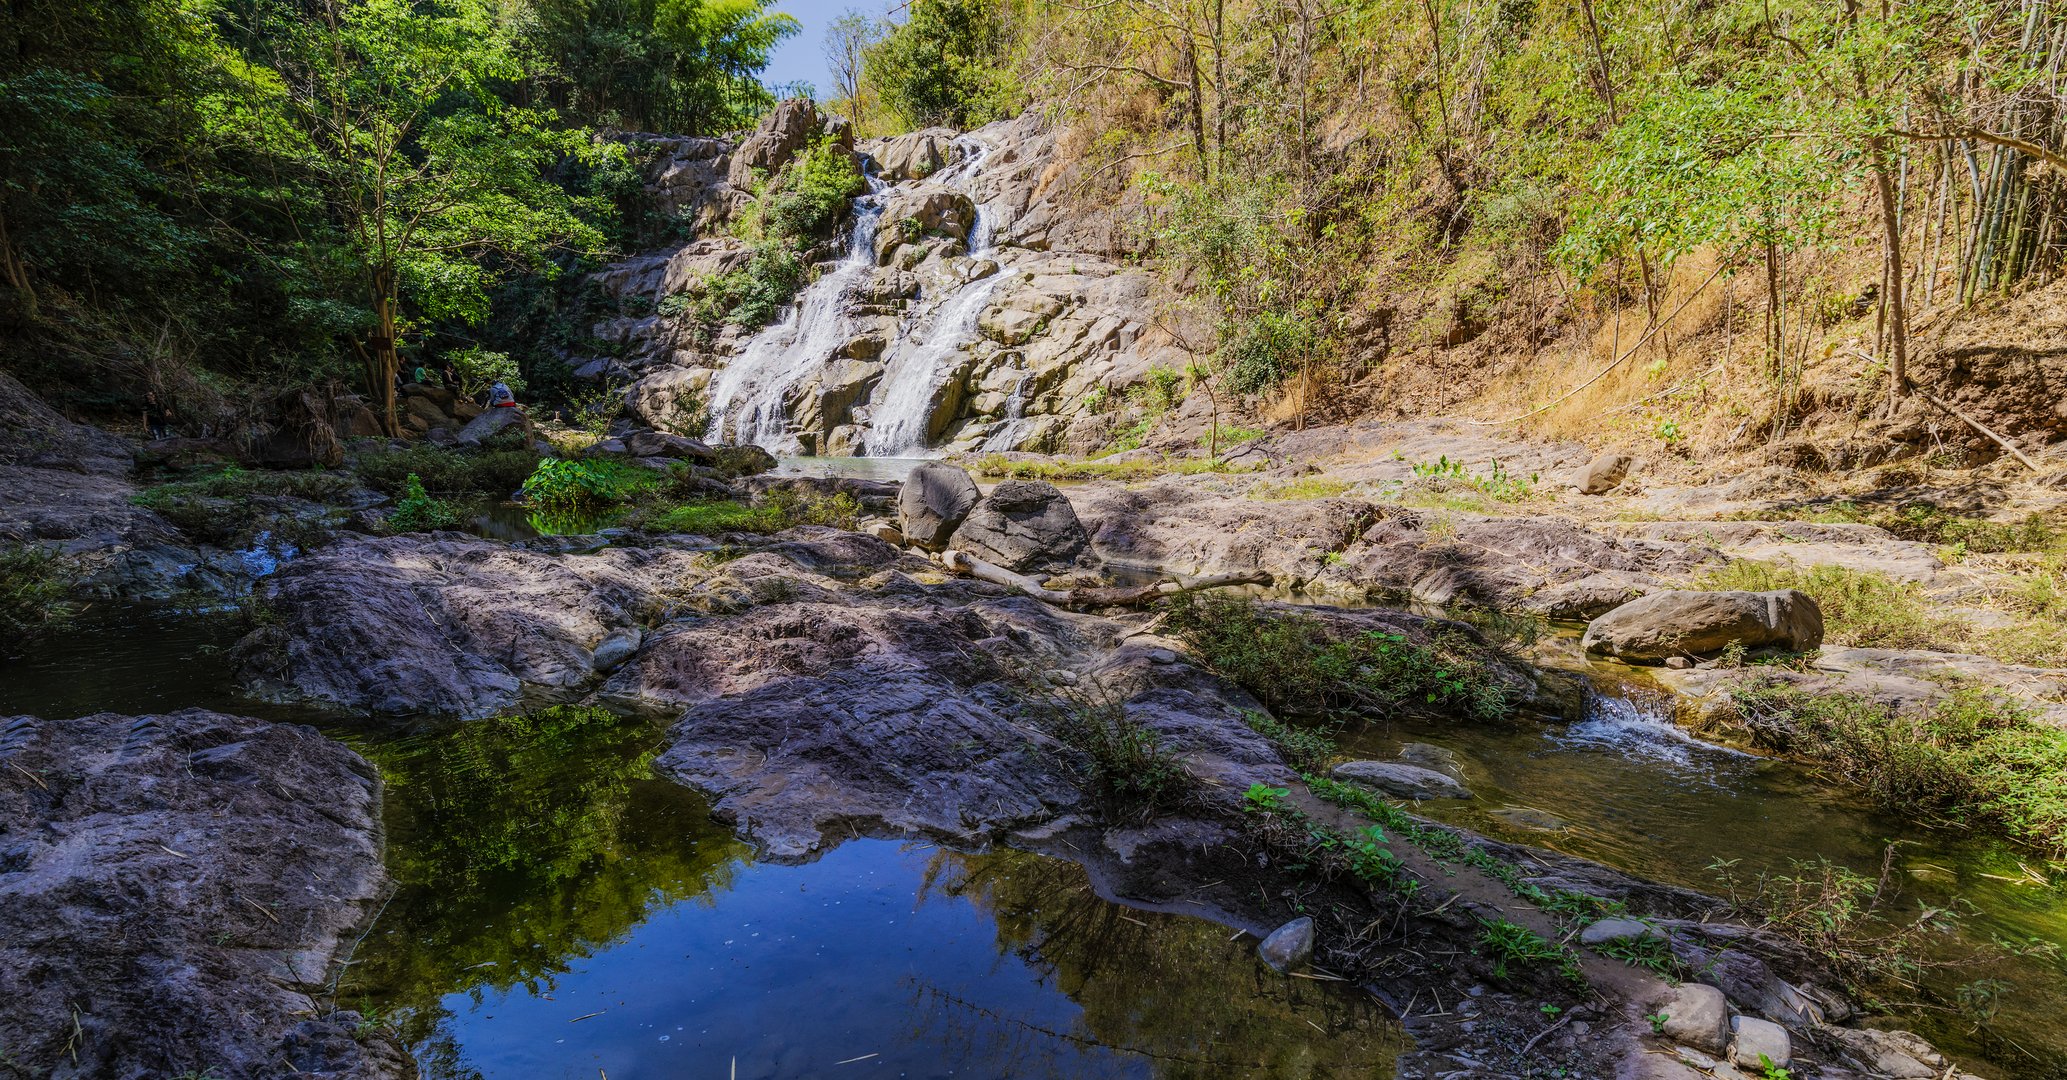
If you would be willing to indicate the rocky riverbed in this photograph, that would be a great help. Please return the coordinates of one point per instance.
(821, 685)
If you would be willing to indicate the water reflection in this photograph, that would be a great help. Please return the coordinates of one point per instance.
(561, 912)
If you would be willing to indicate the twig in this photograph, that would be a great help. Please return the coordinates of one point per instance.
(37, 780)
(1531, 1044)
(585, 1016)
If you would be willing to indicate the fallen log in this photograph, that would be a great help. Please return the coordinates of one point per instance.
(961, 562)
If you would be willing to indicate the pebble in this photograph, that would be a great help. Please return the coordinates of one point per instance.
(1289, 946)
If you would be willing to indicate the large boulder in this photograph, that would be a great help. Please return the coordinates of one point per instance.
(934, 501)
(1685, 622)
(177, 891)
(914, 156)
(783, 133)
(912, 214)
(493, 422)
(1021, 525)
(1601, 475)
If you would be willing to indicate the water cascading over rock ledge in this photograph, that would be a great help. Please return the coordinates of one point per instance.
(961, 309)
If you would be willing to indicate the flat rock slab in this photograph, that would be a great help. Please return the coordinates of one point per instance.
(1402, 780)
(180, 886)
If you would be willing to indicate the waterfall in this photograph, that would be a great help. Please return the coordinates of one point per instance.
(915, 365)
(750, 390)
(1006, 435)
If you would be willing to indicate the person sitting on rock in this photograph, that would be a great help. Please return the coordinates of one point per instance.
(499, 397)
(420, 375)
(157, 417)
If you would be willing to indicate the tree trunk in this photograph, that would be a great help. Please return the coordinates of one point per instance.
(1891, 232)
(383, 359)
(14, 275)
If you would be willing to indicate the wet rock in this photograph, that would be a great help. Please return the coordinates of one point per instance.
(1602, 475)
(615, 648)
(935, 500)
(1530, 818)
(1289, 947)
(1678, 663)
(1401, 780)
(1607, 930)
(1681, 622)
(1759, 1042)
(1023, 524)
(1696, 1015)
(179, 887)
(1437, 758)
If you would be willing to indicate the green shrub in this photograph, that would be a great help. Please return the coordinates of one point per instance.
(1294, 661)
(1972, 758)
(444, 471)
(416, 511)
(586, 484)
(1267, 348)
(807, 199)
(1860, 607)
(750, 297)
(779, 509)
(1306, 751)
(1123, 761)
(34, 586)
(225, 507)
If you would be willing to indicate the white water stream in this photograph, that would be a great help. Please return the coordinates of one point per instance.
(747, 397)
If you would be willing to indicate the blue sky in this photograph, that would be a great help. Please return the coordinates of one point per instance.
(802, 58)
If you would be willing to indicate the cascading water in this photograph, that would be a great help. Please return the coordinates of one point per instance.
(1006, 436)
(915, 365)
(750, 391)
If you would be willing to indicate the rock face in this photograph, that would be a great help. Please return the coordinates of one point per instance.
(1681, 622)
(1602, 475)
(911, 157)
(185, 882)
(455, 626)
(935, 500)
(1402, 780)
(1023, 524)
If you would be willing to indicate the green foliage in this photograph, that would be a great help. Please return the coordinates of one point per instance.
(1512, 944)
(681, 66)
(1163, 388)
(230, 506)
(749, 297)
(35, 586)
(1307, 751)
(942, 64)
(1000, 465)
(1124, 762)
(806, 200)
(1972, 758)
(588, 484)
(442, 471)
(1496, 481)
(774, 511)
(416, 511)
(480, 369)
(1363, 855)
(1291, 660)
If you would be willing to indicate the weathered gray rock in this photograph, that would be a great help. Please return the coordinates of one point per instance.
(935, 500)
(1289, 947)
(913, 156)
(1759, 1042)
(1684, 622)
(1607, 930)
(1023, 524)
(468, 627)
(1695, 1014)
(490, 423)
(1401, 780)
(783, 132)
(1896, 1054)
(176, 889)
(660, 444)
(1602, 475)
(915, 213)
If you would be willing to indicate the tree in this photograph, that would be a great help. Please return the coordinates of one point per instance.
(943, 64)
(687, 67)
(438, 182)
(847, 42)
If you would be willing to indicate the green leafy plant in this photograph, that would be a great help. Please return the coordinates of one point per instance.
(1657, 1022)
(417, 511)
(1511, 944)
(35, 586)
(587, 484)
